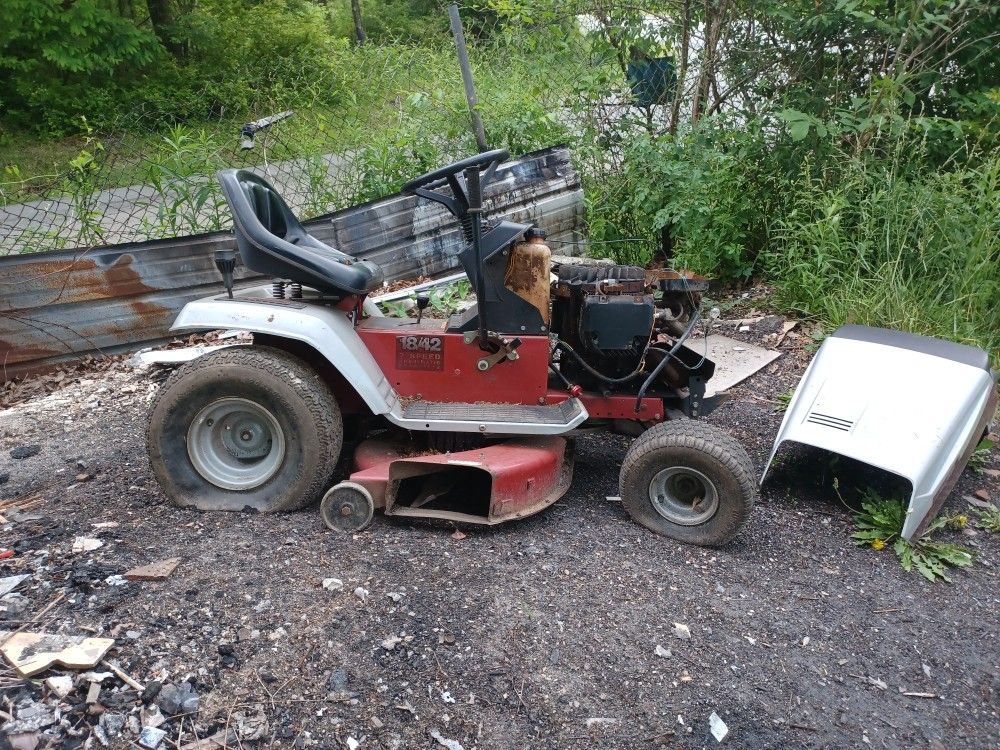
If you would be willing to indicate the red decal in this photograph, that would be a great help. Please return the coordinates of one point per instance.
(419, 353)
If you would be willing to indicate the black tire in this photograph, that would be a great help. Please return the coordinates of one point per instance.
(692, 449)
(301, 404)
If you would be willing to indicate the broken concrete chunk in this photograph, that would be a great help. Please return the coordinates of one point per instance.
(30, 653)
(682, 631)
(86, 544)
(150, 716)
(155, 571)
(61, 685)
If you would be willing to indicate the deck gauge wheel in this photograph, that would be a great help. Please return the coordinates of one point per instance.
(347, 507)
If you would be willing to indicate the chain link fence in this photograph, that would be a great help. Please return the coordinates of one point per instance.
(378, 114)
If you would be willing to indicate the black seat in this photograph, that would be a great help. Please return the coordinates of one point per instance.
(273, 242)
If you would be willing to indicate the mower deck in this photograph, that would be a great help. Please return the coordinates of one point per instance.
(488, 485)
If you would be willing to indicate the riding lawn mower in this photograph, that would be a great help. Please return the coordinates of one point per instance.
(467, 420)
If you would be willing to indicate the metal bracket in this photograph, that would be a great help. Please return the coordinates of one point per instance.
(696, 392)
(504, 349)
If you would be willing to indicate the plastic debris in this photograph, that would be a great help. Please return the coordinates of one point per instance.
(717, 727)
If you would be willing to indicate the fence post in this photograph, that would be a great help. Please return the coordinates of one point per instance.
(470, 86)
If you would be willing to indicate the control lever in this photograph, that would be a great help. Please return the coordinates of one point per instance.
(423, 299)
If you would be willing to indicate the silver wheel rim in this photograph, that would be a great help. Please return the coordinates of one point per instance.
(236, 444)
(683, 495)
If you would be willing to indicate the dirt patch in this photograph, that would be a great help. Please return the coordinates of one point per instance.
(540, 633)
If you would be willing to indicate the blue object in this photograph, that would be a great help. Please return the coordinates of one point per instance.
(653, 81)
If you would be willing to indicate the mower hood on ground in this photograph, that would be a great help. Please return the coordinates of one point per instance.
(911, 405)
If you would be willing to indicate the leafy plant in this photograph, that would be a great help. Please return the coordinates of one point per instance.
(981, 454)
(784, 399)
(988, 518)
(878, 525)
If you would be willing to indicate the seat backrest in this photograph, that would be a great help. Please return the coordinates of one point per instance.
(273, 242)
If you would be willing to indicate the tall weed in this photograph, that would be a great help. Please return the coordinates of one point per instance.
(870, 243)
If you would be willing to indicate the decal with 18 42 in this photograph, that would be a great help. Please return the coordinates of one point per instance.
(419, 353)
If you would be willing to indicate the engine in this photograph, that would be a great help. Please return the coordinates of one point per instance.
(609, 314)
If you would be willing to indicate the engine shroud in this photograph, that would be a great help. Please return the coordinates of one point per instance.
(605, 314)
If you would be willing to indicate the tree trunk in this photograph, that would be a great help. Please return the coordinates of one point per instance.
(161, 18)
(675, 106)
(714, 18)
(359, 26)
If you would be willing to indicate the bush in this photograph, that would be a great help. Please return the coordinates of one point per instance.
(869, 243)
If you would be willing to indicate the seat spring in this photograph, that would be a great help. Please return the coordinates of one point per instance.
(295, 290)
(278, 289)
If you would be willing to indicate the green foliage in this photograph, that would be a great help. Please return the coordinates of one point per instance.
(988, 519)
(444, 301)
(874, 242)
(878, 525)
(977, 461)
(49, 47)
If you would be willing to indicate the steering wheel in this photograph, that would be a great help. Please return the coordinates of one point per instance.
(486, 162)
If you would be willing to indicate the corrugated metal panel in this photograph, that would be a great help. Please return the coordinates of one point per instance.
(58, 306)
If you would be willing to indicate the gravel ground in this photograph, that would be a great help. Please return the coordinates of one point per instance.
(553, 632)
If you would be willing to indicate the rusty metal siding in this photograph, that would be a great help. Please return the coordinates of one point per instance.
(58, 306)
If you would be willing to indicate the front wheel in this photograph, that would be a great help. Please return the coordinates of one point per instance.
(690, 481)
(244, 427)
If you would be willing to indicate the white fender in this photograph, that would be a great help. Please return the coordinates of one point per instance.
(326, 329)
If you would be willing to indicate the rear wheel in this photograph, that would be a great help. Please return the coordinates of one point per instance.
(690, 481)
(244, 427)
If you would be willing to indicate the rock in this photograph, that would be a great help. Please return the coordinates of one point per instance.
(112, 723)
(14, 605)
(151, 737)
(391, 642)
(682, 631)
(29, 716)
(446, 743)
(151, 691)
(23, 740)
(4, 477)
(179, 699)
(151, 716)
(277, 634)
(338, 681)
(663, 653)
(251, 726)
(333, 584)
(982, 494)
(595, 722)
(86, 544)
(25, 451)
(61, 685)
(395, 596)
(717, 727)
(361, 593)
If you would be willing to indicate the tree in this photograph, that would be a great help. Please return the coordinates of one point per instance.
(359, 27)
